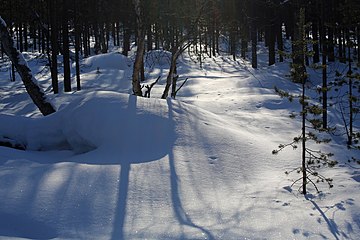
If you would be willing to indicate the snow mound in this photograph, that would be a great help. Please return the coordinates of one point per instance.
(99, 119)
(112, 60)
(116, 121)
(33, 133)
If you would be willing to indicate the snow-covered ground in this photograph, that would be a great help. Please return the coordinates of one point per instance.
(109, 165)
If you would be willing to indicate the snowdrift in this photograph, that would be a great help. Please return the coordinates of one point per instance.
(99, 119)
(114, 166)
(154, 166)
(113, 60)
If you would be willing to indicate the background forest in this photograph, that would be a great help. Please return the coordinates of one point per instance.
(52, 27)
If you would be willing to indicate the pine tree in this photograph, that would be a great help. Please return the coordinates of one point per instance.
(311, 160)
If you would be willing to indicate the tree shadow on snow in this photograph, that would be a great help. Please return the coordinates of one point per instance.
(160, 141)
(182, 217)
(78, 175)
(22, 226)
(330, 221)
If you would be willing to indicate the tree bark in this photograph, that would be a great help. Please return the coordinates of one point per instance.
(271, 41)
(54, 46)
(253, 47)
(33, 89)
(140, 50)
(316, 57)
(66, 49)
(169, 80)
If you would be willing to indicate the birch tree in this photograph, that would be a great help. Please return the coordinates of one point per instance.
(31, 85)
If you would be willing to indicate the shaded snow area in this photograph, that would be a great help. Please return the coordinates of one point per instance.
(109, 165)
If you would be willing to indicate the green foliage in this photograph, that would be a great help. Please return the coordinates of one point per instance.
(313, 131)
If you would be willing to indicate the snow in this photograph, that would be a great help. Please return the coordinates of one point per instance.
(109, 165)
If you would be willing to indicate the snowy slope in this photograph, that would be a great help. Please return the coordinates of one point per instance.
(113, 166)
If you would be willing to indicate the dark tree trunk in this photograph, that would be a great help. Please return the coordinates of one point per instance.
(254, 36)
(2, 50)
(33, 32)
(126, 40)
(298, 46)
(303, 142)
(271, 44)
(85, 39)
(213, 39)
(341, 48)
(33, 89)
(330, 45)
(21, 46)
(139, 58)
(170, 77)
(97, 45)
(253, 47)
(358, 44)
(13, 78)
(43, 34)
(349, 73)
(232, 43)
(26, 45)
(279, 39)
(324, 66)
(54, 46)
(244, 47)
(77, 47)
(316, 57)
(149, 38)
(66, 50)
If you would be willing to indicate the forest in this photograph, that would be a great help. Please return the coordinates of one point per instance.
(53, 27)
(179, 119)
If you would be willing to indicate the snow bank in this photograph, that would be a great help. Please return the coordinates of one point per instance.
(99, 119)
(35, 134)
(112, 60)
(109, 119)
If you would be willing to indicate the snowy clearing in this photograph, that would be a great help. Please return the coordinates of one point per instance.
(109, 165)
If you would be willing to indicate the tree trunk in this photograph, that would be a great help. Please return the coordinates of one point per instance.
(33, 89)
(54, 47)
(271, 42)
(316, 57)
(244, 47)
(21, 46)
(26, 46)
(303, 141)
(140, 50)
(358, 44)
(324, 70)
(299, 46)
(77, 47)
(169, 80)
(126, 40)
(149, 38)
(66, 50)
(253, 47)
